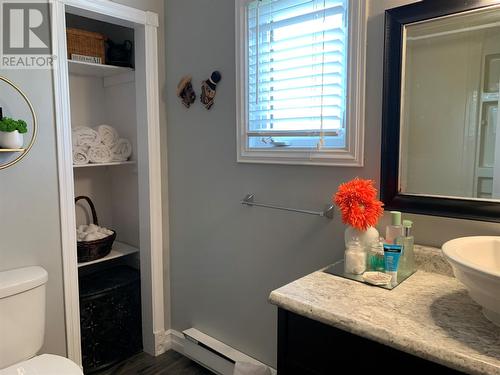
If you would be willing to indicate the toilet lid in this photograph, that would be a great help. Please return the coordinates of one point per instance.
(45, 364)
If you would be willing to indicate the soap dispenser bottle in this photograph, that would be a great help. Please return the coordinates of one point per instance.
(395, 230)
(407, 261)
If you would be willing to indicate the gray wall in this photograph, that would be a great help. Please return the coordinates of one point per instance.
(225, 258)
(29, 206)
(29, 203)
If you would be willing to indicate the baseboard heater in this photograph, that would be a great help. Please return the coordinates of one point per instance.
(213, 354)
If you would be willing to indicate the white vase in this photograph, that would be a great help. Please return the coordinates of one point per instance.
(366, 237)
(11, 139)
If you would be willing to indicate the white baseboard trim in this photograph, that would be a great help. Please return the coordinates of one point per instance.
(176, 340)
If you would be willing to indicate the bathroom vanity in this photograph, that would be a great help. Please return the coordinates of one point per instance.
(309, 347)
(427, 323)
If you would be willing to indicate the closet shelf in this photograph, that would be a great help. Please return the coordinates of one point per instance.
(105, 164)
(96, 70)
(120, 249)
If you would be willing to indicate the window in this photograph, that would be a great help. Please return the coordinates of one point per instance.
(300, 81)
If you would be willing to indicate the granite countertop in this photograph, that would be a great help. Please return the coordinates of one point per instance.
(429, 315)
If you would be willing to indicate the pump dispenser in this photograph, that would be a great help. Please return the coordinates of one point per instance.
(407, 261)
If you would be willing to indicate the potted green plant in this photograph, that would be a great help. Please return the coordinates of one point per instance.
(11, 133)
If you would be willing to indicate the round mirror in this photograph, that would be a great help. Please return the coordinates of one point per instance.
(18, 124)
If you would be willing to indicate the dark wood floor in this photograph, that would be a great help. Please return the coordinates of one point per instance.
(169, 363)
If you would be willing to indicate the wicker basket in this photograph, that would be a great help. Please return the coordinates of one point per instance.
(92, 250)
(86, 43)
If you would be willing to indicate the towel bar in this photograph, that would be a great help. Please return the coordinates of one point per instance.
(327, 212)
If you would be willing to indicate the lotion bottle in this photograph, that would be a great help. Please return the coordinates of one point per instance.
(395, 230)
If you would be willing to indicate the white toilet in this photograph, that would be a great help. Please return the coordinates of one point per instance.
(22, 326)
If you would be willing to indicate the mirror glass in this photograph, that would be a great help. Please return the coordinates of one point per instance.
(449, 142)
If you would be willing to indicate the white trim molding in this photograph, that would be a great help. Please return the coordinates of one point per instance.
(149, 166)
(170, 340)
(66, 188)
(350, 156)
(163, 342)
(112, 9)
(152, 19)
(154, 168)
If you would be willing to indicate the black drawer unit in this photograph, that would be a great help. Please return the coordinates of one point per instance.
(308, 347)
(110, 317)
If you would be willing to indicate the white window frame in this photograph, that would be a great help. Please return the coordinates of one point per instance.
(352, 154)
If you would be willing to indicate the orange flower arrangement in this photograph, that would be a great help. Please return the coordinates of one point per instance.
(358, 203)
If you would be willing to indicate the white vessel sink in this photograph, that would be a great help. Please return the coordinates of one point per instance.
(476, 263)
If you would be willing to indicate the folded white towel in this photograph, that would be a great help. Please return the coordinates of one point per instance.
(85, 136)
(92, 232)
(122, 150)
(99, 154)
(92, 228)
(80, 155)
(94, 236)
(247, 368)
(109, 135)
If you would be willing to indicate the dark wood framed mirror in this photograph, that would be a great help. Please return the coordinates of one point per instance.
(440, 109)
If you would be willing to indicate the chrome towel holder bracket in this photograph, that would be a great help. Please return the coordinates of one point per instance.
(249, 200)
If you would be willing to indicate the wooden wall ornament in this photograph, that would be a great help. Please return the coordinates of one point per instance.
(208, 88)
(185, 91)
(22, 152)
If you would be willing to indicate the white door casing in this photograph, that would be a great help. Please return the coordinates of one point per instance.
(145, 25)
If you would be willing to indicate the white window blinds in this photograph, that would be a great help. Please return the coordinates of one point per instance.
(296, 89)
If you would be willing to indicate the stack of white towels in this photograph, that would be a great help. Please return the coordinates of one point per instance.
(99, 145)
(92, 232)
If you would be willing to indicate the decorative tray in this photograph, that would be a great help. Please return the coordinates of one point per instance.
(337, 269)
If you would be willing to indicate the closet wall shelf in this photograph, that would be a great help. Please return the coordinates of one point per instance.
(105, 164)
(96, 70)
(120, 249)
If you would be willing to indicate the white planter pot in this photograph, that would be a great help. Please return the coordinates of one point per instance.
(366, 237)
(11, 139)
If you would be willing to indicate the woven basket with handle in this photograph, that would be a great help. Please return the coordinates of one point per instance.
(93, 250)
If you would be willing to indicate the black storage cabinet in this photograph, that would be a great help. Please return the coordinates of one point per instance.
(110, 317)
(309, 347)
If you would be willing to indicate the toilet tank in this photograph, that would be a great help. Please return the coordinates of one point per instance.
(22, 313)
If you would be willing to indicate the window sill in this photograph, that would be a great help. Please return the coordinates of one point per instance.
(338, 158)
